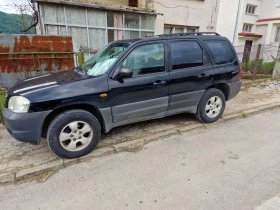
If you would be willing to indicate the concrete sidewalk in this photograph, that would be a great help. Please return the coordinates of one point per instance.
(20, 161)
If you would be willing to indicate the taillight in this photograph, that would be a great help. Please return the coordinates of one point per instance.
(240, 72)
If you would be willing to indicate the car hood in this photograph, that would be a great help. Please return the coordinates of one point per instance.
(45, 81)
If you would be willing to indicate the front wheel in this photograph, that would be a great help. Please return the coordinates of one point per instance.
(211, 106)
(73, 133)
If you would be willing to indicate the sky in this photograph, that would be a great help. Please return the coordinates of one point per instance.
(6, 5)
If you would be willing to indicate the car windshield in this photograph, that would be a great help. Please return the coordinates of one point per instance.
(101, 62)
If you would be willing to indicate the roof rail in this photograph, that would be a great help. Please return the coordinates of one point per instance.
(192, 33)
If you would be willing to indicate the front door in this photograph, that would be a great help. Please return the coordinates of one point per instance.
(145, 94)
(191, 73)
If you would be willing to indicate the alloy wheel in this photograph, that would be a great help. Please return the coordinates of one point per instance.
(76, 136)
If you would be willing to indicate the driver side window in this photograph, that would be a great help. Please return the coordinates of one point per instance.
(145, 59)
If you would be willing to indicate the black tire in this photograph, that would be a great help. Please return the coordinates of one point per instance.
(201, 113)
(62, 120)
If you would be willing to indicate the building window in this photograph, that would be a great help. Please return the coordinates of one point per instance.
(251, 9)
(95, 27)
(277, 38)
(247, 27)
(128, 25)
(169, 29)
(133, 3)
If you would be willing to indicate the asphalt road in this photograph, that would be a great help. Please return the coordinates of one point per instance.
(234, 165)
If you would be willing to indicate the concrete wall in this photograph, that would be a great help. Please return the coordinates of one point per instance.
(270, 8)
(227, 18)
(108, 2)
(143, 4)
(187, 13)
(262, 29)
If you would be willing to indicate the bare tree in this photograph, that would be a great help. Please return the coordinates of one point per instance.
(29, 15)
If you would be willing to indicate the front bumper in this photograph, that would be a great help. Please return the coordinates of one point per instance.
(25, 127)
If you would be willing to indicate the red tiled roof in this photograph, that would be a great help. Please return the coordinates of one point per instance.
(246, 34)
(268, 19)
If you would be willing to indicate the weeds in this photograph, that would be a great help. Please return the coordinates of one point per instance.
(260, 66)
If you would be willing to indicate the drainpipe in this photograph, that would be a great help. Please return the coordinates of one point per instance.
(236, 21)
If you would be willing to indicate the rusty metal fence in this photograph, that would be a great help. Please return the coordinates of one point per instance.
(23, 56)
(24, 65)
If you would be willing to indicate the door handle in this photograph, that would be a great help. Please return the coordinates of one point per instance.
(159, 83)
(203, 75)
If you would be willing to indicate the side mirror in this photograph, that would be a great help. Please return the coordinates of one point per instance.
(125, 73)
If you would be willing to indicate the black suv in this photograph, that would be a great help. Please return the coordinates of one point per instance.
(128, 81)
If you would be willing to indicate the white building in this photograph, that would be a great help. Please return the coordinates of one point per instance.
(179, 16)
(248, 23)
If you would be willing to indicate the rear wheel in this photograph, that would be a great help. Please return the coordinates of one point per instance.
(211, 106)
(73, 134)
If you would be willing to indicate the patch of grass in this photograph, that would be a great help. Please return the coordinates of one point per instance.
(260, 66)
(244, 115)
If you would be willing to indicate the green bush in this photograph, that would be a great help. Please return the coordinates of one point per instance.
(267, 67)
(261, 66)
(2, 101)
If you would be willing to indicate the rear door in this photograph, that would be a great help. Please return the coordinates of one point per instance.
(190, 74)
(225, 62)
(145, 95)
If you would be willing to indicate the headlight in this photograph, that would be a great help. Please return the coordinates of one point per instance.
(19, 104)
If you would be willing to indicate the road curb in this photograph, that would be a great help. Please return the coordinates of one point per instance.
(127, 146)
(36, 170)
(7, 177)
(102, 151)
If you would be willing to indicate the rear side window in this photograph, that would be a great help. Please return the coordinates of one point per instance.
(221, 51)
(186, 54)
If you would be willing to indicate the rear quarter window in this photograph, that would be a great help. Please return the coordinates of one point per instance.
(221, 51)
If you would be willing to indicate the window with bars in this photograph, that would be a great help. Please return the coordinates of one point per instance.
(251, 9)
(247, 27)
(169, 29)
(128, 25)
(95, 28)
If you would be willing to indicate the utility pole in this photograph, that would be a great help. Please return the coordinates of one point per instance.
(236, 23)
(276, 71)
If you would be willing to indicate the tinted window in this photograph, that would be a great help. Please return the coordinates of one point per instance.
(146, 59)
(221, 51)
(186, 54)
